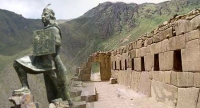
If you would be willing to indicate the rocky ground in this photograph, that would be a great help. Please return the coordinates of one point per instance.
(118, 96)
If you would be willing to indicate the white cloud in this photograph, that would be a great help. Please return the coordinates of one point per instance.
(64, 9)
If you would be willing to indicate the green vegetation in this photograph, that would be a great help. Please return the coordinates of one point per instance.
(95, 67)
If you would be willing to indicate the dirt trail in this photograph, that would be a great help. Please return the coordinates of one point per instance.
(116, 96)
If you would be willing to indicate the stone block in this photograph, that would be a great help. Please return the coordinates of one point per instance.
(167, 77)
(196, 79)
(180, 42)
(195, 23)
(138, 43)
(152, 48)
(145, 43)
(164, 93)
(143, 51)
(138, 52)
(177, 42)
(187, 97)
(81, 104)
(195, 34)
(150, 41)
(161, 76)
(156, 38)
(170, 95)
(182, 26)
(172, 43)
(148, 49)
(77, 84)
(145, 84)
(133, 53)
(75, 91)
(182, 79)
(85, 77)
(137, 64)
(113, 80)
(165, 45)
(158, 47)
(85, 70)
(149, 62)
(83, 65)
(166, 61)
(137, 80)
(167, 33)
(191, 55)
(89, 94)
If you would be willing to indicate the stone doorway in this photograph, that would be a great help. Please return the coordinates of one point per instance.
(95, 72)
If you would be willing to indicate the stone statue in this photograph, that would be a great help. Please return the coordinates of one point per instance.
(46, 60)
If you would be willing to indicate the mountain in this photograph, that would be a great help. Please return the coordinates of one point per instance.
(110, 25)
(105, 27)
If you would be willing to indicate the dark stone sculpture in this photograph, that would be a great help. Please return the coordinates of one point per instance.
(46, 60)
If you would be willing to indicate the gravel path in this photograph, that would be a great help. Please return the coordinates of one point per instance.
(117, 96)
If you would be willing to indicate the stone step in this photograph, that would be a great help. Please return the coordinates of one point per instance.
(77, 84)
(81, 104)
(75, 91)
(64, 104)
(89, 94)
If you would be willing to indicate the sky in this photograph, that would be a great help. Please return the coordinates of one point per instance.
(64, 9)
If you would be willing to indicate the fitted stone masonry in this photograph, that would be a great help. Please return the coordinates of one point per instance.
(163, 64)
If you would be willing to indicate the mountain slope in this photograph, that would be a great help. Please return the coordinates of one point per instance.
(16, 32)
(110, 25)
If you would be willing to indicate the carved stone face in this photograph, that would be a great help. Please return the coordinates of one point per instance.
(46, 17)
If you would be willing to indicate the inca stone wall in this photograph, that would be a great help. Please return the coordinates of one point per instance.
(105, 67)
(164, 64)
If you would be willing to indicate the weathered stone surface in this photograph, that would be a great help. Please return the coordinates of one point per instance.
(196, 79)
(81, 104)
(85, 70)
(133, 53)
(195, 23)
(191, 55)
(77, 84)
(155, 75)
(138, 43)
(180, 42)
(83, 65)
(148, 49)
(23, 101)
(113, 80)
(143, 51)
(182, 79)
(138, 52)
(187, 97)
(150, 41)
(152, 48)
(166, 61)
(75, 91)
(149, 62)
(128, 77)
(137, 64)
(167, 33)
(177, 42)
(89, 94)
(137, 77)
(85, 77)
(158, 47)
(167, 77)
(156, 38)
(182, 26)
(145, 84)
(195, 34)
(165, 45)
(164, 93)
